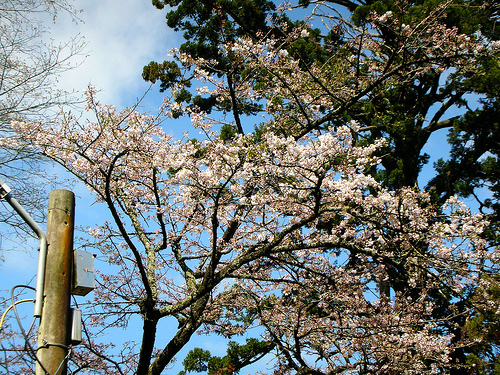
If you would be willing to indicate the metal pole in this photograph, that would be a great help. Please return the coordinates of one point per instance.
(40, 274)
(55, 325)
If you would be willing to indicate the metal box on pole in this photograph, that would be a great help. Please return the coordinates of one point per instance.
(76, 326)
(83, 279)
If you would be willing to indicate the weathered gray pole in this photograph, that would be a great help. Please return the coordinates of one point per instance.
(55, 324)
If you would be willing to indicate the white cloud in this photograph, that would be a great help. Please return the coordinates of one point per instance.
(122, 36)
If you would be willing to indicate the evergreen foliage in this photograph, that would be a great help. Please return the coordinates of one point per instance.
(407, 114)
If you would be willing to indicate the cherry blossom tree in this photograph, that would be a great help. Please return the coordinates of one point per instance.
(407, 113)
(286, 228)
(204, 230)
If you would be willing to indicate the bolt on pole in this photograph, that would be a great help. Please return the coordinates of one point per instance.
(55, 324)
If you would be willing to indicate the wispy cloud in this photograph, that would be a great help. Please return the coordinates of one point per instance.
(122, 36)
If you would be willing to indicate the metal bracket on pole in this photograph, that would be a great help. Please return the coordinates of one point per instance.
(42, 256)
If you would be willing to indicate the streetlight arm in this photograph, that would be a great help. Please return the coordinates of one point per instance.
(42, 256)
